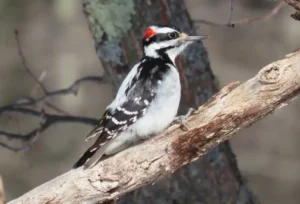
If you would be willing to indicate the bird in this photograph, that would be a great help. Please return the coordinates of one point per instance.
(148, 98)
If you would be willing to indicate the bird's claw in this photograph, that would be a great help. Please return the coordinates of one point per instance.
(182, 119)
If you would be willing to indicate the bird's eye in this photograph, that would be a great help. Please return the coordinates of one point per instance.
(173, 35)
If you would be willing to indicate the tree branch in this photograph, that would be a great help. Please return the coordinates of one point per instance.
(25, 65)
(72, 89)
(47, 120)
(245, 21)
(234, 108)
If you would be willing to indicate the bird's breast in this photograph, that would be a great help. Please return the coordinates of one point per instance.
(163, 108)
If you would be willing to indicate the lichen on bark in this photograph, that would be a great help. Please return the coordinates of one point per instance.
(109, 20)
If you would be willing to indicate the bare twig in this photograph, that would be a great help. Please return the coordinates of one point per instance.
(14, 149)
(2, 195)
(47, 121)
(37, 80)
(229, 24)
(234, 108)
(25, 65)
(245, 21)
(34, 90)
(72, 89)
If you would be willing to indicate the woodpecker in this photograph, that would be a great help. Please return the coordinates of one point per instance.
(148, 98)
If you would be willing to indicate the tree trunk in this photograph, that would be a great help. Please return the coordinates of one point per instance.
(117, 27)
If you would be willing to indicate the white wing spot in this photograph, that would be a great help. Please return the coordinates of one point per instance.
(118, 122)
(94, 149)
(137, 99)
(108, 131)
(123, 127)
(127, 112)
(146, 102)
(139, 72)
(144, 111)
(133, 119)
(99, 130)
(159, 82)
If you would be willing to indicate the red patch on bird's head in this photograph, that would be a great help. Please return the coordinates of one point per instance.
(149, 33)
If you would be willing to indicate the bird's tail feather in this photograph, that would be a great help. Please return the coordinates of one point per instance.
(86, 157)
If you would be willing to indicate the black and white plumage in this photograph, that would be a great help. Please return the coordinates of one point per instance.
(148, 98)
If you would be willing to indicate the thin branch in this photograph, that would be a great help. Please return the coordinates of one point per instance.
(245, 21)
(42, 76)
(37, 80)
(14, 149)
(234, 108)
(48, 120)
(25, 65)
(72, 89)
(229, 23)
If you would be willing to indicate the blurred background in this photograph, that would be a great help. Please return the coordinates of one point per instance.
(55, 40)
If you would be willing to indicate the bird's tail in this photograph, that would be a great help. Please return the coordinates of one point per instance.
(86, 157)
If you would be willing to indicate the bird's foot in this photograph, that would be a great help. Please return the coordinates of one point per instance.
(182, 120)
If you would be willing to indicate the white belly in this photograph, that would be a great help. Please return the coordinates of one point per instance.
(163, 108)
(158, 117)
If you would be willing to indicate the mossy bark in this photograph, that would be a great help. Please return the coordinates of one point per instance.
(117, 27)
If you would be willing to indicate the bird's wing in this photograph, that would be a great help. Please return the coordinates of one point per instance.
(139, 96)
(115, 121)
(132, 101)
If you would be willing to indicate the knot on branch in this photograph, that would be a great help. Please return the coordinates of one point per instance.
(269, 75)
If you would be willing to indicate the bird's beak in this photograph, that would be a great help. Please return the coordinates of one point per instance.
(186, 37)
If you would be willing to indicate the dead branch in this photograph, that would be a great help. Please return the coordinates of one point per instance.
(25, 65)
(38, 80)
(72, 89)
(2, 195)
(234, 108)
(245, 21)
(47, 120)
(21, 107)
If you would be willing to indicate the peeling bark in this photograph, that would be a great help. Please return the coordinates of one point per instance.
(234, 108)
